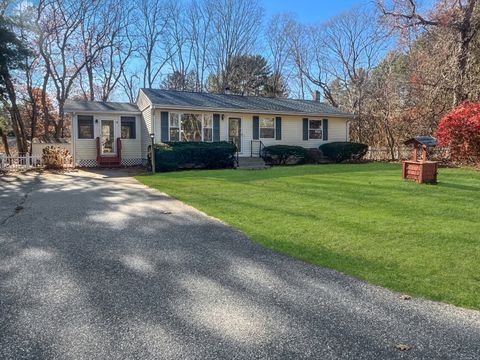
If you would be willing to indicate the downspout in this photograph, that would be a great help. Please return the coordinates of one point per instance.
(152, 142)
(153, 122)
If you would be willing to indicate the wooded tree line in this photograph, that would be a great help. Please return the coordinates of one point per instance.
(397, 66)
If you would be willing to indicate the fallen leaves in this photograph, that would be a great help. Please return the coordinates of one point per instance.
(403, 347)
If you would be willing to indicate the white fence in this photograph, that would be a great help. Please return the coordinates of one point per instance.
(403, 152)
(20, 163)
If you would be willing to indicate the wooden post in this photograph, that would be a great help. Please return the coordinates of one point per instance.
(414, 154)
(424, 153)
(420, 179)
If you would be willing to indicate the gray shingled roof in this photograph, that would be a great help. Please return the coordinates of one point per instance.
(199, 100)
(99, 106)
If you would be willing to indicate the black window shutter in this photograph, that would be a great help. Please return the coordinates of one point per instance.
(256, 128)
(325, 129)
(164, 125)
(305, 129)
(278, 128)
(216, 127)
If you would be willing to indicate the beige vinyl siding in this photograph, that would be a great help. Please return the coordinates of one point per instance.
(292, 129)
(145, 106)
(132, 148)
(85, 149)
(146, 129)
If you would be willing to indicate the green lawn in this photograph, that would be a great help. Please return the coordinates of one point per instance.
(363, 220)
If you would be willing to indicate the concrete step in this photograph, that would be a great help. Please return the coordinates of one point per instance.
(251, 163)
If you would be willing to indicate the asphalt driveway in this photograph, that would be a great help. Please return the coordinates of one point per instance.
(97, 266)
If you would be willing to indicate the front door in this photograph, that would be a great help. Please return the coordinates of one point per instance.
(108, 137)
(235, 132)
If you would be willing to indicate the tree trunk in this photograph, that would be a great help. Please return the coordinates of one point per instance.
(33, 115)
(391, 144)
(46, 117)
(61, 121)
(17, 124)
(5, 141)
(91, 82)
(466, 35)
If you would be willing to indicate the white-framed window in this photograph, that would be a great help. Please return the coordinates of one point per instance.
(174, 127)
(128, 127)
(315, 131)
(190, 127)
(267, 128)
(85, 127)
(208, 128)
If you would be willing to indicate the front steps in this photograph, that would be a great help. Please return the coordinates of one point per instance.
(251, 163)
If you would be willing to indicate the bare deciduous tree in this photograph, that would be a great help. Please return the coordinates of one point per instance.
(199, 18)
(278, 40)
(151, 23)
(61, 40)
(459, 17)
(338, 57)
(235, 28)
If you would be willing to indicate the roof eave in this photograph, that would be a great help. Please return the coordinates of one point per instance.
(254, 111)
(76, 111)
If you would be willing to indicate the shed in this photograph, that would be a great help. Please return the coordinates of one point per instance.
(41, 142)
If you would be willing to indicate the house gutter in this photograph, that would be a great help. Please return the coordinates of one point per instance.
(115, 112)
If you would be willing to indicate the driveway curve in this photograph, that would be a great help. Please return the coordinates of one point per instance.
(94, 265)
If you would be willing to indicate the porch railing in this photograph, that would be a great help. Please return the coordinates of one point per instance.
(20, 163)
(237, 152)
(256, 148)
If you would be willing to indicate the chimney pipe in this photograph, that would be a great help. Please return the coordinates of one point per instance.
(316, 95)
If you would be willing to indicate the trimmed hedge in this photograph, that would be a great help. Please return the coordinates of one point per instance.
(313, 156)
(171, 156)
(284, 154)
(342, 151)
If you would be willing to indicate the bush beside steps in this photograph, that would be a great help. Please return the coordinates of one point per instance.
(284, 155)
(171, 156)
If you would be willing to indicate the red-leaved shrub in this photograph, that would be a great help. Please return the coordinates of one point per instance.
(460, 131)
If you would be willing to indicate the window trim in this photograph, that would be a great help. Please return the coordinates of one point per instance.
(136, 127)
(321, 128)
(260, 128)
(180, 125)
(78, 128)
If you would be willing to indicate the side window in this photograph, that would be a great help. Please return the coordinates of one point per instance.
(174, 127)
(207, 128)
(315, 129)
(267, 128)
(85, 127)
(128, 128)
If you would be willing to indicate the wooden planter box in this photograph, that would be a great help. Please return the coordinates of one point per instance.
(420, 171)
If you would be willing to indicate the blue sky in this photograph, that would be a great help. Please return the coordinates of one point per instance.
(310, 11)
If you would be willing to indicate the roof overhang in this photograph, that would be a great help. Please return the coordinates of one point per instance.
(252, 111)
(116, 112)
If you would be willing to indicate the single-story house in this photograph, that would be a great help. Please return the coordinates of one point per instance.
(122, 131)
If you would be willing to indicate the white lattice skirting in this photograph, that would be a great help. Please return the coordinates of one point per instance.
(132, 162)
(89, 163)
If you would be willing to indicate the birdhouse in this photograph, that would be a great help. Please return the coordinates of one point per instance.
(420, 169)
